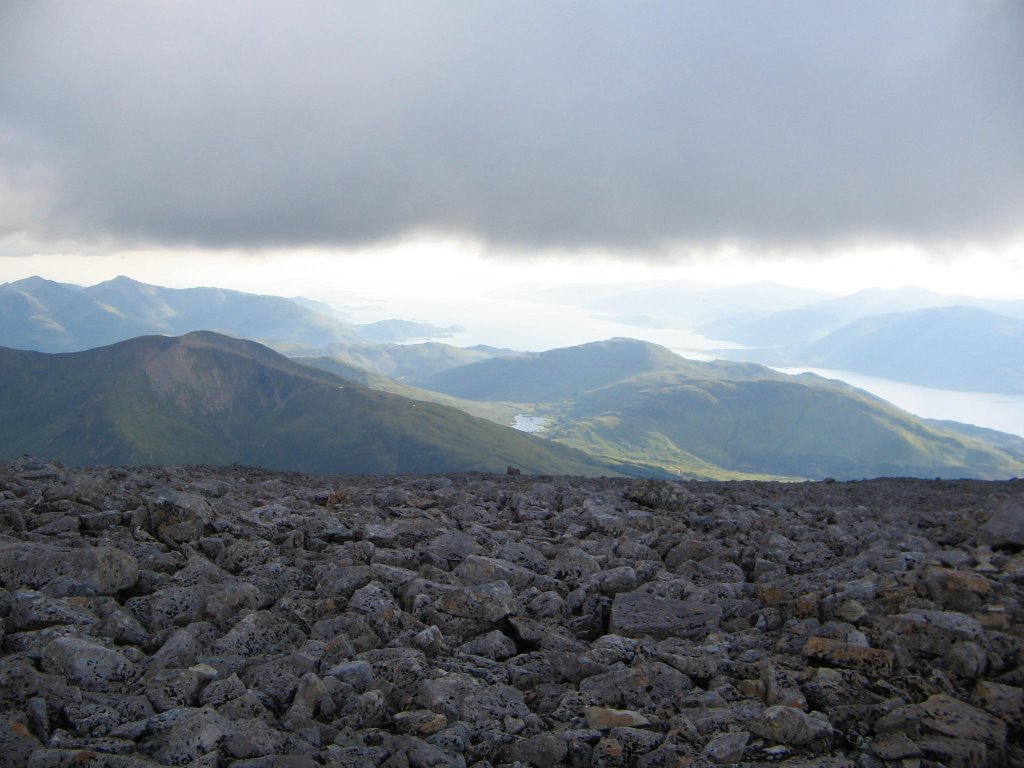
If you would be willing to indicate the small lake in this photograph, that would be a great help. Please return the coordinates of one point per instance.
(984, 409)
(526, 423)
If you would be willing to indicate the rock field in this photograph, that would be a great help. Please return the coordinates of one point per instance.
(238, 617)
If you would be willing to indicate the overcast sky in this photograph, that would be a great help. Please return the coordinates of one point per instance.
(643, 131)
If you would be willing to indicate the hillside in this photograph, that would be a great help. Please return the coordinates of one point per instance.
(499, 413)
(206, 398)
(552, 375)
(404, 361)
(638, 402)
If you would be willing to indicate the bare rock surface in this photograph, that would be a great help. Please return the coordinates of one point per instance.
(231, 616)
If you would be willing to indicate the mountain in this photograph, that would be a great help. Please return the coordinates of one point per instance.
(961, 348)
(552, 375)
(684, 304)
(405, 361)
(204, 398)
(638, 402)
(388, 331)
(499, 413)
(766, 327)
(1012, 444)
(46, 316)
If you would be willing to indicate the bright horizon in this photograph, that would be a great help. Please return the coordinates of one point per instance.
(448, 267)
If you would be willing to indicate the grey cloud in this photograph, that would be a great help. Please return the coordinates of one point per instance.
(525, 124)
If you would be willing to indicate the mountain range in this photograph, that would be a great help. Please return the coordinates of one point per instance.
(205, 398)
(959, 348)
(350, 405)
(47, 316)
(627, 399)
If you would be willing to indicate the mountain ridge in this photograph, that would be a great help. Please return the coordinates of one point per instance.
(720, 419)
(205, 398)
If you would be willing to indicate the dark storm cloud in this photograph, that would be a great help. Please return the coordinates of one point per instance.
(526, 124)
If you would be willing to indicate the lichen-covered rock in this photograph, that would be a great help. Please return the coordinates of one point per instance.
(181, 735)
(635, 614)
(1005, 528)
(33, 610)
(259, 633)
(875, 662)
(177, 516)
(727, 748)
(475, 569)
(172, 689)
(461, 697)
(792, 727)
(468, 611)
(933, 633)
(88, 665)
(17, 743)
(100, 570)
(606, 718)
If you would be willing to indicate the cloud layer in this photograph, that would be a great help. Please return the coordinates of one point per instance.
(525, 124)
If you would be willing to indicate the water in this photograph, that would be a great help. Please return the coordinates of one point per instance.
(983, 409)
(526, 423)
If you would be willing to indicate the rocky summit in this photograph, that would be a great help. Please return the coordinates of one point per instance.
(238, 617)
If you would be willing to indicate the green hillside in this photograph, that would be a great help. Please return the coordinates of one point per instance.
(499, 413)
(207, 398)
(630, 401)
(808, 428)
(404, 361)
(555, 374)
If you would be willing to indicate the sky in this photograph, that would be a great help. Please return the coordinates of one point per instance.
(416, 148)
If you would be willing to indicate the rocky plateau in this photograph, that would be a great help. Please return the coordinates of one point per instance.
(233, 616)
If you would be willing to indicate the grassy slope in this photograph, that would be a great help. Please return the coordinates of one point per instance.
(807, 428)
(205, 398)
(555, 374)
(499, 413)
(721, 419)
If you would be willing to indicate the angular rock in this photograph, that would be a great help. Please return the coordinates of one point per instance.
(181, 735)
(951, 717)
(1005, 528)
(33, 610)
(1003, 701)
(88, 665)
(606, 718)
(934, 632)
(792, 727)
(471, 610)
(476, 569)
(545, 750)
(177, 516)
(636, 614)
(727, 748)
(102, 570)
(461, 697)
(873, 662)
(259, 633)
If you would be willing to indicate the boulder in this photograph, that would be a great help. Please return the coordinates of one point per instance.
(177, 516)
(100, 570)
(792, 727)
(1005, 528)
(636, 614)
(88, 665)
